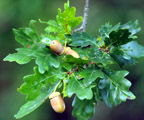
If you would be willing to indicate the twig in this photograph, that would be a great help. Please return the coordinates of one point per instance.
(85, 17)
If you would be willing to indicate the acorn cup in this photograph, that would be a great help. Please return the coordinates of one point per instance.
(57, 102)
(69, 51)
(57, 47)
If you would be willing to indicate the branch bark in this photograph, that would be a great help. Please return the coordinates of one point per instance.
(85, 17)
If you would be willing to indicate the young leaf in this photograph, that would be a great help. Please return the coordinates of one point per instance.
(53, 27)
(64, 23)
(67, 19)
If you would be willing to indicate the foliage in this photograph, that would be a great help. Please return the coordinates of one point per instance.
(90, 77)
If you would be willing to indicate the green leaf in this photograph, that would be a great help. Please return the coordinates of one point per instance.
(43, 56)
(106, 29)
(90, 75)
(26, 36)
(128, 53)
(81, 39)
(34, 83)
(122, 61)
(114, 89)
(45, 60)
(119, 34)
(132, 27)
(133, 50)
(67, 19)
(23, 56)
(53, 27)
(64, 23)
(66, 66)
(83, 109)
(77, 87)
(70, 59)
(30, 106)
(100, 57)
(19, 58)
(119, 37)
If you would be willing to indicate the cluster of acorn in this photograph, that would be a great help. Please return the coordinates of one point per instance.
(56, 100)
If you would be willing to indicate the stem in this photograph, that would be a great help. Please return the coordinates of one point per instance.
(57, 86)
(85, 17)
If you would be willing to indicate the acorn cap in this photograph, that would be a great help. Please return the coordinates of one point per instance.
(66, 50)
(54, 94)
(69, 51)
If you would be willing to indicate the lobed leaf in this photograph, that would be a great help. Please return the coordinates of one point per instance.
(128, 53)
(133, 50)
(83, 109)
(45, 60)
(119, 34)
(90, 75)
(27, 36)
(77, 87)
(30, 106)
(81, 39)
(114, 89)
(71, 60)
(119, 37)
(34, 83)
(67, 18)
(22, 56)
(132, 27)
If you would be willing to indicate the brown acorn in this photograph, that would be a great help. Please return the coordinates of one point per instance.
(57, 102)
(69, 51)
(56, 47)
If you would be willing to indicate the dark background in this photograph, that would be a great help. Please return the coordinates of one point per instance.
(18, 13)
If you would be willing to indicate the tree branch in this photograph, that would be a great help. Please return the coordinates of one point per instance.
(85, 17)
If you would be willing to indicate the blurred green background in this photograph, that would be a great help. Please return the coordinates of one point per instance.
(18, 13)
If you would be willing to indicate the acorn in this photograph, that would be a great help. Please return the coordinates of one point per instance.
(56, 47)
(69, 51)
(57, 102)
